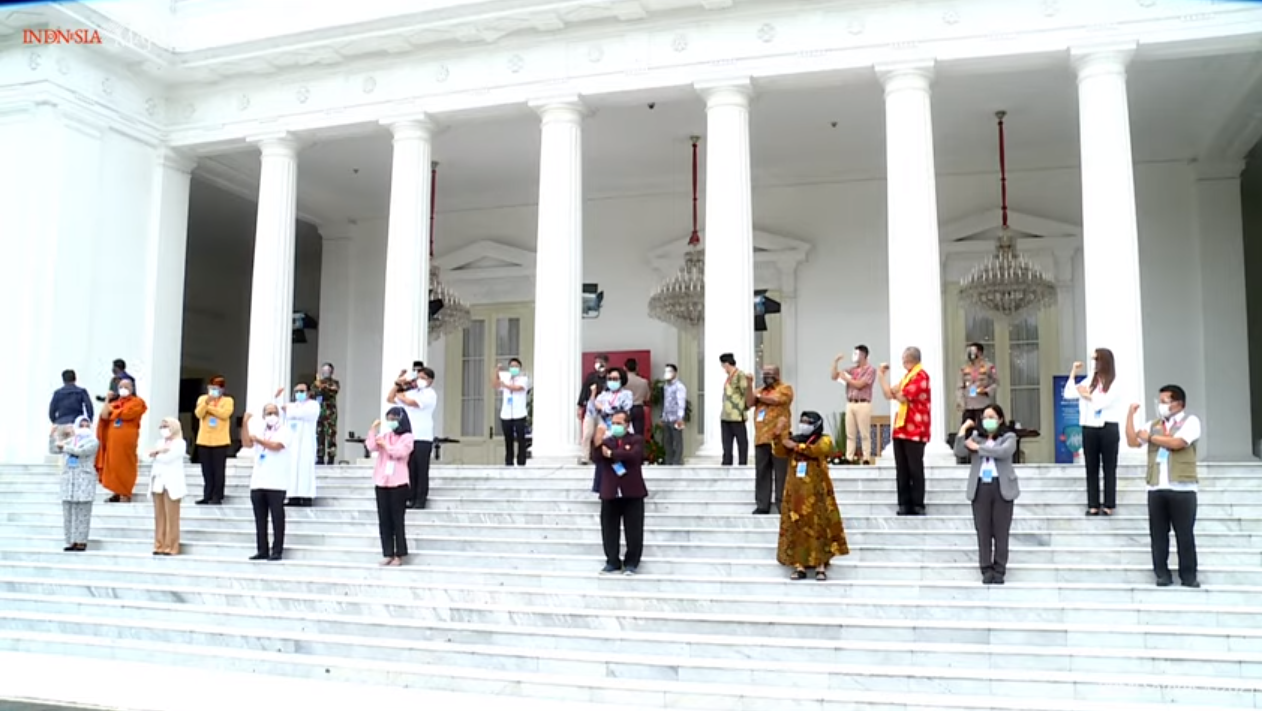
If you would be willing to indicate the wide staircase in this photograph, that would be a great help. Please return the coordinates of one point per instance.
(503, 595)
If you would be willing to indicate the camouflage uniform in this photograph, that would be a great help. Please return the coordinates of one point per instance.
(325, 392)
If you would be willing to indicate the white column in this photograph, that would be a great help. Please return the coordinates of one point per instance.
(915, 269)
(336, 257)
(1067, 317)
(789, 323)
(272, 291)
(159, 364)
(729, 246)
(1110, 240)
(1225, 402)
(558, 281)
(406, 304)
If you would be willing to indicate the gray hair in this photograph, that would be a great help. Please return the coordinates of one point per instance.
(913, 353)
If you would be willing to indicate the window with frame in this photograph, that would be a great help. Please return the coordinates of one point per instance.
(1023, 373)
(473, 372)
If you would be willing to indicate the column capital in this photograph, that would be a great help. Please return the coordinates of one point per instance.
(726, 92)
(279, 144)
(916, 75)
(1101, 60)
(177, 159)
(1218, 169)
(561, 109)
(412, 127)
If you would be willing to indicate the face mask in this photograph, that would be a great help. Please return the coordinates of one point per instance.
(83, 432)
(215, 392)
(613, 385)
(165, 433)
(600, 367)
(392, 425)
(422, 384)
(300, 396)
(856, 357)
(769, 380)
(514, 371)
(618, 430)
(271, 420)
(124, 392)
(990, 425)
(669, 375)
(1163, 409)
(414, 375)
(804, 429)
(326, 372)
(972, 354)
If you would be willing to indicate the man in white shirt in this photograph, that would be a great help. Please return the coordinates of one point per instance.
(1172, 482)
(270, 440)
(420, 401)
(514, 391)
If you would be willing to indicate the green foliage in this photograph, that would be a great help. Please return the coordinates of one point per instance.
(836, 423)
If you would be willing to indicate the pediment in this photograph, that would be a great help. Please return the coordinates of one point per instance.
(986, 225)
(768, 247)
(486, 259)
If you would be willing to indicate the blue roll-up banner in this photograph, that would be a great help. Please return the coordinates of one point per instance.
(1068, 431)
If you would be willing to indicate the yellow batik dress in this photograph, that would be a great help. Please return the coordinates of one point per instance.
(811, 533)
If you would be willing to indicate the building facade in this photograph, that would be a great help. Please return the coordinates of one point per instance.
(848, 169)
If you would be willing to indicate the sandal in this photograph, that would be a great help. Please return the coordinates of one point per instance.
(1107, 512)
(821, 575)
(798, 575)
(1093, 512)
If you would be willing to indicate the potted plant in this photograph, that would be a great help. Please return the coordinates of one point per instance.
(837, 423)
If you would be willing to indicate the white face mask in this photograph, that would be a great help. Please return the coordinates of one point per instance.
(165, 433)
(83, 432)
(855, 357)
(124, 392)
(669, 375)
(271, 420)
(422, 384)
(1163, 409)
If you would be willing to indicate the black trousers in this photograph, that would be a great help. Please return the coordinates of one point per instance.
(1166, 510)
(976, 417)
(673, 441)
(514, 434)
(734, 432)
(214, 461)
(615, 515)
(769, 475)
(638, 425)
(992, 517)
(1099, 444)
(909, 465)
(418, 472)
(269, 502)
(392, 505)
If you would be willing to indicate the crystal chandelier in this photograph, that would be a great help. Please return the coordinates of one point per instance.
(1006, 284)
(680, 300)
(452, 315)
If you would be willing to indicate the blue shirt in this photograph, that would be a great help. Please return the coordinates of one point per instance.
(674, 401)
(68, 404)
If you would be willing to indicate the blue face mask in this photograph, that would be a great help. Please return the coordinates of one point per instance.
(618, 430)
(392, 425)
(300, 396)
(514, 371)
(614, 385)
(214, 392)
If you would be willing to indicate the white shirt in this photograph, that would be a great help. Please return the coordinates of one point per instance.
(422, 414)
(167, 472)
(514, 406)
(271, 469)
(1187, 428)
(1097, 411)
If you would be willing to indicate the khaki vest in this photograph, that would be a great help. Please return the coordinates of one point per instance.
(1182, 463)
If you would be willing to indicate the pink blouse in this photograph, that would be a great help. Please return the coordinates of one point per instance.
(391, 468)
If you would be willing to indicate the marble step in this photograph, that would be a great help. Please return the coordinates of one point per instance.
(763, 684)
(908, 551)
(193, 525)
(422, 579)
(485, 607)
(1025, 521)
(1113, 567)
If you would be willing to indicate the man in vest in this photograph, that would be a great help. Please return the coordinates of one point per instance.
(1171, 441)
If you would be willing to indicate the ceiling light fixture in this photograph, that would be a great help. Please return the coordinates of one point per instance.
(680, 300)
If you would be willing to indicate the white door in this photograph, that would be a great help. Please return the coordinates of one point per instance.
(496, 333)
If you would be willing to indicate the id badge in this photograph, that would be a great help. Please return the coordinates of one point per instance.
(972, 391)
(510, 399)
(294, 425)
(212, 421)
(390, 468)
(619, 469)
(1099, 414)
(1163, 455)
(72, 461)
(262, 456)
(801, 470)
(118, 422)
(762, 415)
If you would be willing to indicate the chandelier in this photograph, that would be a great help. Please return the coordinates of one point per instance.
(1006, 284)
(447, 313)
(680, 300)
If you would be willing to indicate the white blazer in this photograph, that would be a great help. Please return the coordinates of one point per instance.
(167, 473)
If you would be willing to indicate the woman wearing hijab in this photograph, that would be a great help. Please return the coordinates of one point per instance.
(811, 533)
(167, 486)
(393, 445)
(78, 479)
(270, 440)
(992, 487)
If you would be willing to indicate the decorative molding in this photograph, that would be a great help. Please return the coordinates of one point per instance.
(770, 251)
(991, 220)
(486, 260)
(233, 181)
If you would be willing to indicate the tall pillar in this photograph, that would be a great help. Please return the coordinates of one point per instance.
(336, 257)
(1110, 239)
(1225, 402)
(1067, 324)
(559, 281)
(729, 246)
(789, 322)
(159, 364)
(272, 291)
(406, 304)
(915, 268)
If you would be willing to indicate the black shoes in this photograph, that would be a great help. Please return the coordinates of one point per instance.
(202, 502)
(259, 556)
(1164, 581)
(761, 512)
(1192, 584)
